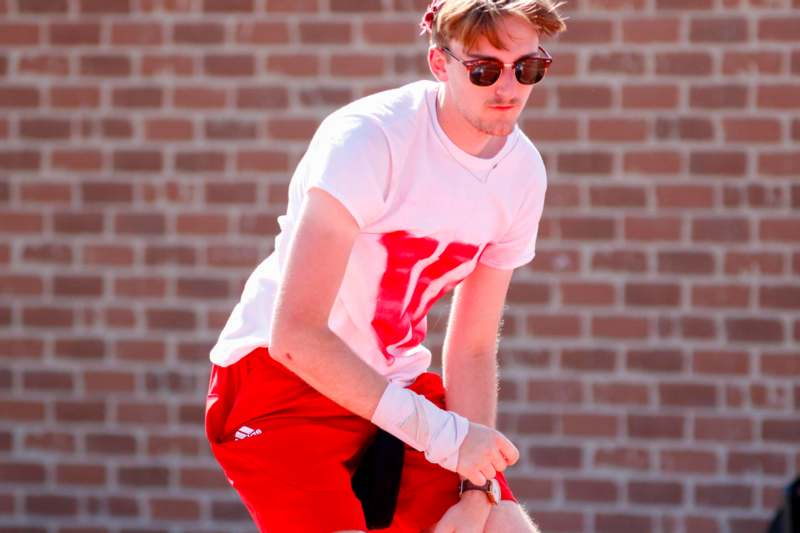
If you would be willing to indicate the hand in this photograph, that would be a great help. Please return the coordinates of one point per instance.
(469, 515)
(483, 453)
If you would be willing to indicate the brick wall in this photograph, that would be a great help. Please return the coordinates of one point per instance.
(650, 361)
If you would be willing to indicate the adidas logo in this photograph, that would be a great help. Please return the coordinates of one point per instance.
(245, 432)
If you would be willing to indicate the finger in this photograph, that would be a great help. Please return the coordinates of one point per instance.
(488, 472)
(477, 478)
(499, 462)
(509, 451)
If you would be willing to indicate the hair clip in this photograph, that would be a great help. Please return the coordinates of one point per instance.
(430, 14)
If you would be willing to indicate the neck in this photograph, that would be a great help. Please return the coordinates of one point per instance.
(462, 133)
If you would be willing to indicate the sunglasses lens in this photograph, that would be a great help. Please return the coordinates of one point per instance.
(485, 73)
(530, 71)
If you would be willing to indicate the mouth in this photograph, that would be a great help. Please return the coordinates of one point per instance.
(502, 107)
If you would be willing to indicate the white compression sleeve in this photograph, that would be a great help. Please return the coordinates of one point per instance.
(417, 421)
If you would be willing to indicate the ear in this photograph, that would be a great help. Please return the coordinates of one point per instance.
(437, 62)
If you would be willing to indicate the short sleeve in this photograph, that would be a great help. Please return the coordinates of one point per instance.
(349, 158)
(518, 246)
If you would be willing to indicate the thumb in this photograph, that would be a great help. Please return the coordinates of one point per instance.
(509, 451)
(477, 478)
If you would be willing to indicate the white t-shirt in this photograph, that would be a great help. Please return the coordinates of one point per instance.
(428, 213)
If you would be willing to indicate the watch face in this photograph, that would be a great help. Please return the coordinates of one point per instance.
(494, 491)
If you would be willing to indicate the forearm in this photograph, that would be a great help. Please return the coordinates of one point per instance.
(328, 365)
(471, 387)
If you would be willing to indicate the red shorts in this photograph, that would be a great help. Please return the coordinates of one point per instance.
(290, 452)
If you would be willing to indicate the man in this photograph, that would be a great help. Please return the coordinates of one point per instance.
(401, 196)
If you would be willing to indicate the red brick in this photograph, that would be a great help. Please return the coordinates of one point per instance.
(612, 130)
(683, 64)
(51, 505)
(614, 523)
(718, 97)
(586, 228)
(650, 30)
(688, 461)
(622, 458)
(18, 472)
(136, 34)
(655, 427)
(780, 297)
(520, 292)
(585, 163)
(554, 391)
(48, 317)
(112, 443)
(781, 430)
(229, 65)
(687, 395)
(170, 319)
(618, 196)
(43, 6)
(587, 293)
(74, 97)
(292, 129)
(617, 260)
(262, 98)
(684, 128)
(228, 129)
(80, 411)
(652, 162)
(81, 474)
(756, 463)
(652, 228)
(723, 495)
(622, 63)
(723, 429)
(325, 32)
(752, 130)
(721, 296)
(551, 129)
(658, 360)
(619, 327)
(228, 6)
(584, 97)
(294, 64)
(261, 161)
(104, 382)
(140, 287)
(590, 425)
(780, 365)
(655, 492)
(779, 164)
(680, 262)
(779, 229)
(79, 348)
(555, 457)
(649, 96)
(395, 33)
(754, 330)
(553, 325)
(74, 33)
(143, 476)
(780, 96)
(778, 29)
(105, 65)
(718, 30)
(748, 63)
(104, 6)
(758, 263)
(733, 230)
(48, 380)
(137, 161)
(260, 32)
(589, 490)
(176, 64)
(175, 255)
(721, 363)
(620, 393)
(652, 294)
(198, 33)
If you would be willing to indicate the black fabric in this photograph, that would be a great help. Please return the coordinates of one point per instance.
(376, 481)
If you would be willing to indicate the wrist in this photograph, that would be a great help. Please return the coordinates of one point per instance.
(476, 498)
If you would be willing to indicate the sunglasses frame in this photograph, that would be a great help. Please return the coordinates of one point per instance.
(545, 58)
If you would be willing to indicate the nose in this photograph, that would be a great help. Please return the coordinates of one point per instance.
(506, 85)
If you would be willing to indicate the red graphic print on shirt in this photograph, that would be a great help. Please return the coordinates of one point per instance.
(399, 326)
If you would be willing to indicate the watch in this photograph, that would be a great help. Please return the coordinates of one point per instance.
(491, 488)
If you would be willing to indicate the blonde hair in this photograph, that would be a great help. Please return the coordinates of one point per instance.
(466, 21)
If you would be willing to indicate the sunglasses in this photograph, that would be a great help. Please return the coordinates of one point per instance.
(485, 72)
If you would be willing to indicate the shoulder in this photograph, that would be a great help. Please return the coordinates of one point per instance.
(382, 111)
